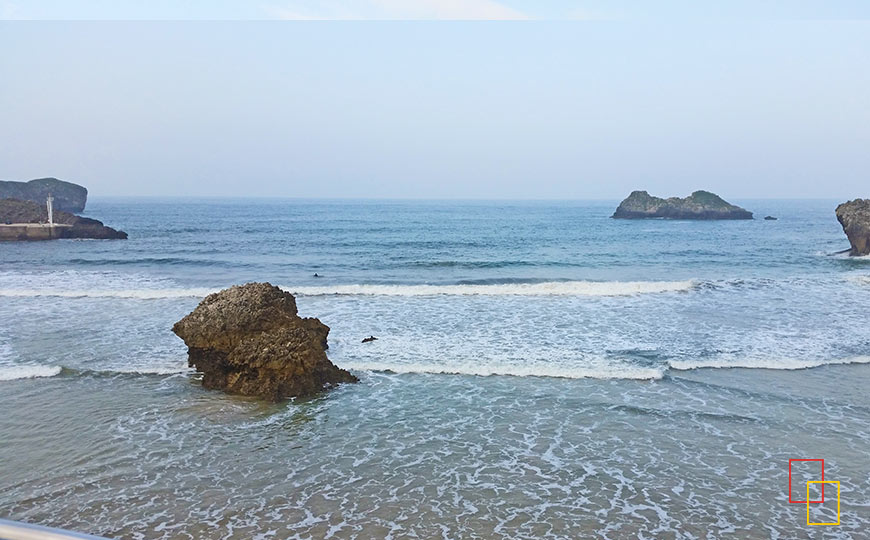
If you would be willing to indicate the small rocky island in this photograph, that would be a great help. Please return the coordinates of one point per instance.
(68, 197)
(854, 216)
(44, 209)
(249, 340)
(699, 205)
(26, 220)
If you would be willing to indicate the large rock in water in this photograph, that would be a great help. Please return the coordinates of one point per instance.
(699, 205)
(16, 211)
(249, 340)
(854, 216)
(68, 197)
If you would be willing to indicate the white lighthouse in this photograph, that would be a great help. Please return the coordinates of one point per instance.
(49, 205)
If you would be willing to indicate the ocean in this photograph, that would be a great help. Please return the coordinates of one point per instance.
(541, 371)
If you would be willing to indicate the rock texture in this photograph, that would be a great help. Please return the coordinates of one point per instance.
(68, 197)
(17, 211)
(249, 340)
(854, 216)
(699, 205)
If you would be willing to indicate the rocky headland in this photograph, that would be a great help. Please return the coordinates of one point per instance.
(14, 211)
(854, 216)
(68, 197)
(699, 205)
(249, 340)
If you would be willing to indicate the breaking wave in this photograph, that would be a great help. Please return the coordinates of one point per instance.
(11, 373)
(613, 371)
(550, 288)
(562, 372)
(601, 371)
(764, 363)
(145, 370)
(142, 294)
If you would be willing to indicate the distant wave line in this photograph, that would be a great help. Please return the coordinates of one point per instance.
(550, 288)
(480, 287)
(788, 364)
(141, 294)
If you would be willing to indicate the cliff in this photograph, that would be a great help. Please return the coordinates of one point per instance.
(699, 205)
(16, 211)
(854, 216)
(68, 197)
(249, 340)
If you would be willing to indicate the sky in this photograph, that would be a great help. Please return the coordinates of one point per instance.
(433, 9)
(575, 100)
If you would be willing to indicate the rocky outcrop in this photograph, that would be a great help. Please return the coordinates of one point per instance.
(854, 216)
(699, 205)
(84, 227)
(249, 340)
(17, 211)
(68, 197)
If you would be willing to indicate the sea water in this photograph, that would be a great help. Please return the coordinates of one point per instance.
(542, 371)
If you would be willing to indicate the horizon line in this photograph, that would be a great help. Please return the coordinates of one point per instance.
(445, 199)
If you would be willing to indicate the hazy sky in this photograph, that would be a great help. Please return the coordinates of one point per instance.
(753, 104)
(433, 9)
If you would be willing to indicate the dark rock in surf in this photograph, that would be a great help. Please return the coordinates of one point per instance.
(68, 197)
(699, 205)
(249, 340)
(369, 339)
(769, 218)
(91, 228)
(854, 216)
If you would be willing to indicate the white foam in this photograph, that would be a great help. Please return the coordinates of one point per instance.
(553, 288)
(539, 370)
(141, 294)
(11, 373)
(148, 370)
(764, 363)
(846, 256)
(550, 288)
(92, 284)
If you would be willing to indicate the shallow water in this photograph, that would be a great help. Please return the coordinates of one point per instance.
(542, 372)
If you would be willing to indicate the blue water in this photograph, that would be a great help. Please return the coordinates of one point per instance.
(443, 242)
(542, 370)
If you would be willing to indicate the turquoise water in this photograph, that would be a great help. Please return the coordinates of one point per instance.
(542, 371)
